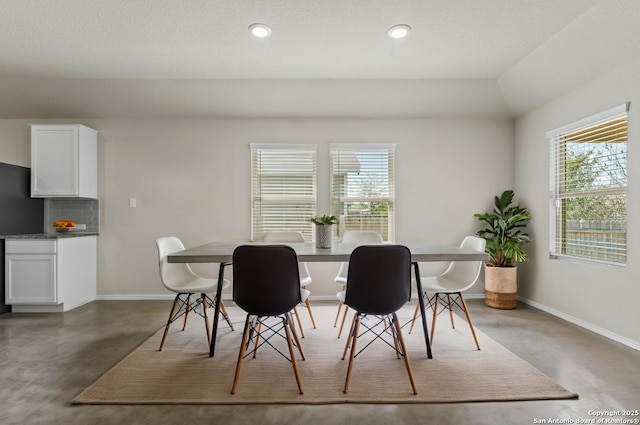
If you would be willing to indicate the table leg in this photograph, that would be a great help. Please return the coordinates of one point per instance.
(422, 312)
(216, 314)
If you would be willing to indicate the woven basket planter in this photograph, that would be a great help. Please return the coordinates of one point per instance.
(500, 287)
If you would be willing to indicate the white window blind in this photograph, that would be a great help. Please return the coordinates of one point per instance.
(363, 187)
(588, 212)
(283, 188)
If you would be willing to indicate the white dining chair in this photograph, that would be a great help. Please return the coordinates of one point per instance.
(305, 276)
(179, 278)
(351, 237)
(447, 288)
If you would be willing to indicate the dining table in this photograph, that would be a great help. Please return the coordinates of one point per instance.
(222, 252)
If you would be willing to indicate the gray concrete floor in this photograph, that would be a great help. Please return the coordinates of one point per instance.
(47, 359)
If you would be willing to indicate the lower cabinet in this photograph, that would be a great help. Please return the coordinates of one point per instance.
(50, 275)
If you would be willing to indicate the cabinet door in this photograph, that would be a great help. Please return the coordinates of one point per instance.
(31, 279)
(54, 161)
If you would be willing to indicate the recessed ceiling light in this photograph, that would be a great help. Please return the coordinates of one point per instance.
(260, 30)
(399, 31)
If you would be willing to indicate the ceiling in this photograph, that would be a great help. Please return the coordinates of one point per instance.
(325, 58)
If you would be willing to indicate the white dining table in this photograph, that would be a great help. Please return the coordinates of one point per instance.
(222, 252)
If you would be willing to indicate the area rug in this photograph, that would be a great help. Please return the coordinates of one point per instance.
(183, 373)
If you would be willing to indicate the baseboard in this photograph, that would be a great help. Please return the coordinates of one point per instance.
(586, 325)
(135, 297)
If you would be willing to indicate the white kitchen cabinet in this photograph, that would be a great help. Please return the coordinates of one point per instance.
(50, 275)
(64, 161)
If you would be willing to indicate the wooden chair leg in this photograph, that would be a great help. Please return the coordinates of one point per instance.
(450, 304)
(166, 328)
(354, 339)
(404, 352)
(393, 334)
(293, 356)
(436, 301)
(295, 335)
(186, 313)
(466, 312)
(335, 322)
(344, 317)
(415, 316)
(308, 304)
(258, 330)
(223, 309)
(295, 312)
(203, 302)
(347, 344)
(243, 345)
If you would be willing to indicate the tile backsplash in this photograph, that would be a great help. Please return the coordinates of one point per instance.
(82, 211)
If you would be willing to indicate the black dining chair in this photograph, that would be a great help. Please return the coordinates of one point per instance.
(378, 285)
(266, 285)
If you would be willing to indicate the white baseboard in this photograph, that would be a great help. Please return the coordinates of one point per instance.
(586, 325)
(589, 326)
(135, 297)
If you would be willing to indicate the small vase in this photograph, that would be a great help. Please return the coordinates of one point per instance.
(324, 236)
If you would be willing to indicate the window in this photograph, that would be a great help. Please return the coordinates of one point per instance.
(283, 188)
(362, 188)
(589, 188)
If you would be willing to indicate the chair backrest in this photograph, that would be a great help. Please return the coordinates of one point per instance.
(356, 236)
(363, 236)
(289, 236)
(379, 279)
(283, 236)
(172, 274)
(465, 273)
(266, 280)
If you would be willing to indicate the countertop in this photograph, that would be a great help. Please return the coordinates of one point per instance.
(51, 235)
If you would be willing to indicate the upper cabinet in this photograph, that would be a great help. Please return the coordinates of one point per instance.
(64, 161)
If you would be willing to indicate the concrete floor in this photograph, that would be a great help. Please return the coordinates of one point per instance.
(47, 359)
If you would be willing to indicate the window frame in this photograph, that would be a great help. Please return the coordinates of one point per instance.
(560, 196)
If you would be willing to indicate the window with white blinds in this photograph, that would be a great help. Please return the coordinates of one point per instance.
(363, 187)
(588, 214)
(283, 188)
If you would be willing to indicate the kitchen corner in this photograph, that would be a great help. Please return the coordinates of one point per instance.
(46, 270)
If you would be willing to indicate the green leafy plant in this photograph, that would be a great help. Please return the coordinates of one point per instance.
(504, 234)
(324, 220)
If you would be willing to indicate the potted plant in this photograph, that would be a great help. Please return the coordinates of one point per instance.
(504, 245)
(324, 226)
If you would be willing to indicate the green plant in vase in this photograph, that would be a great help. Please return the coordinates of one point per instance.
(324, 232)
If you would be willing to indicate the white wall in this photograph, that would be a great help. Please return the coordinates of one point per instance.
(191, 179)
(603, 298)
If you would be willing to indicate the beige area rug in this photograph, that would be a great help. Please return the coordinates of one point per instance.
(183, 373)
